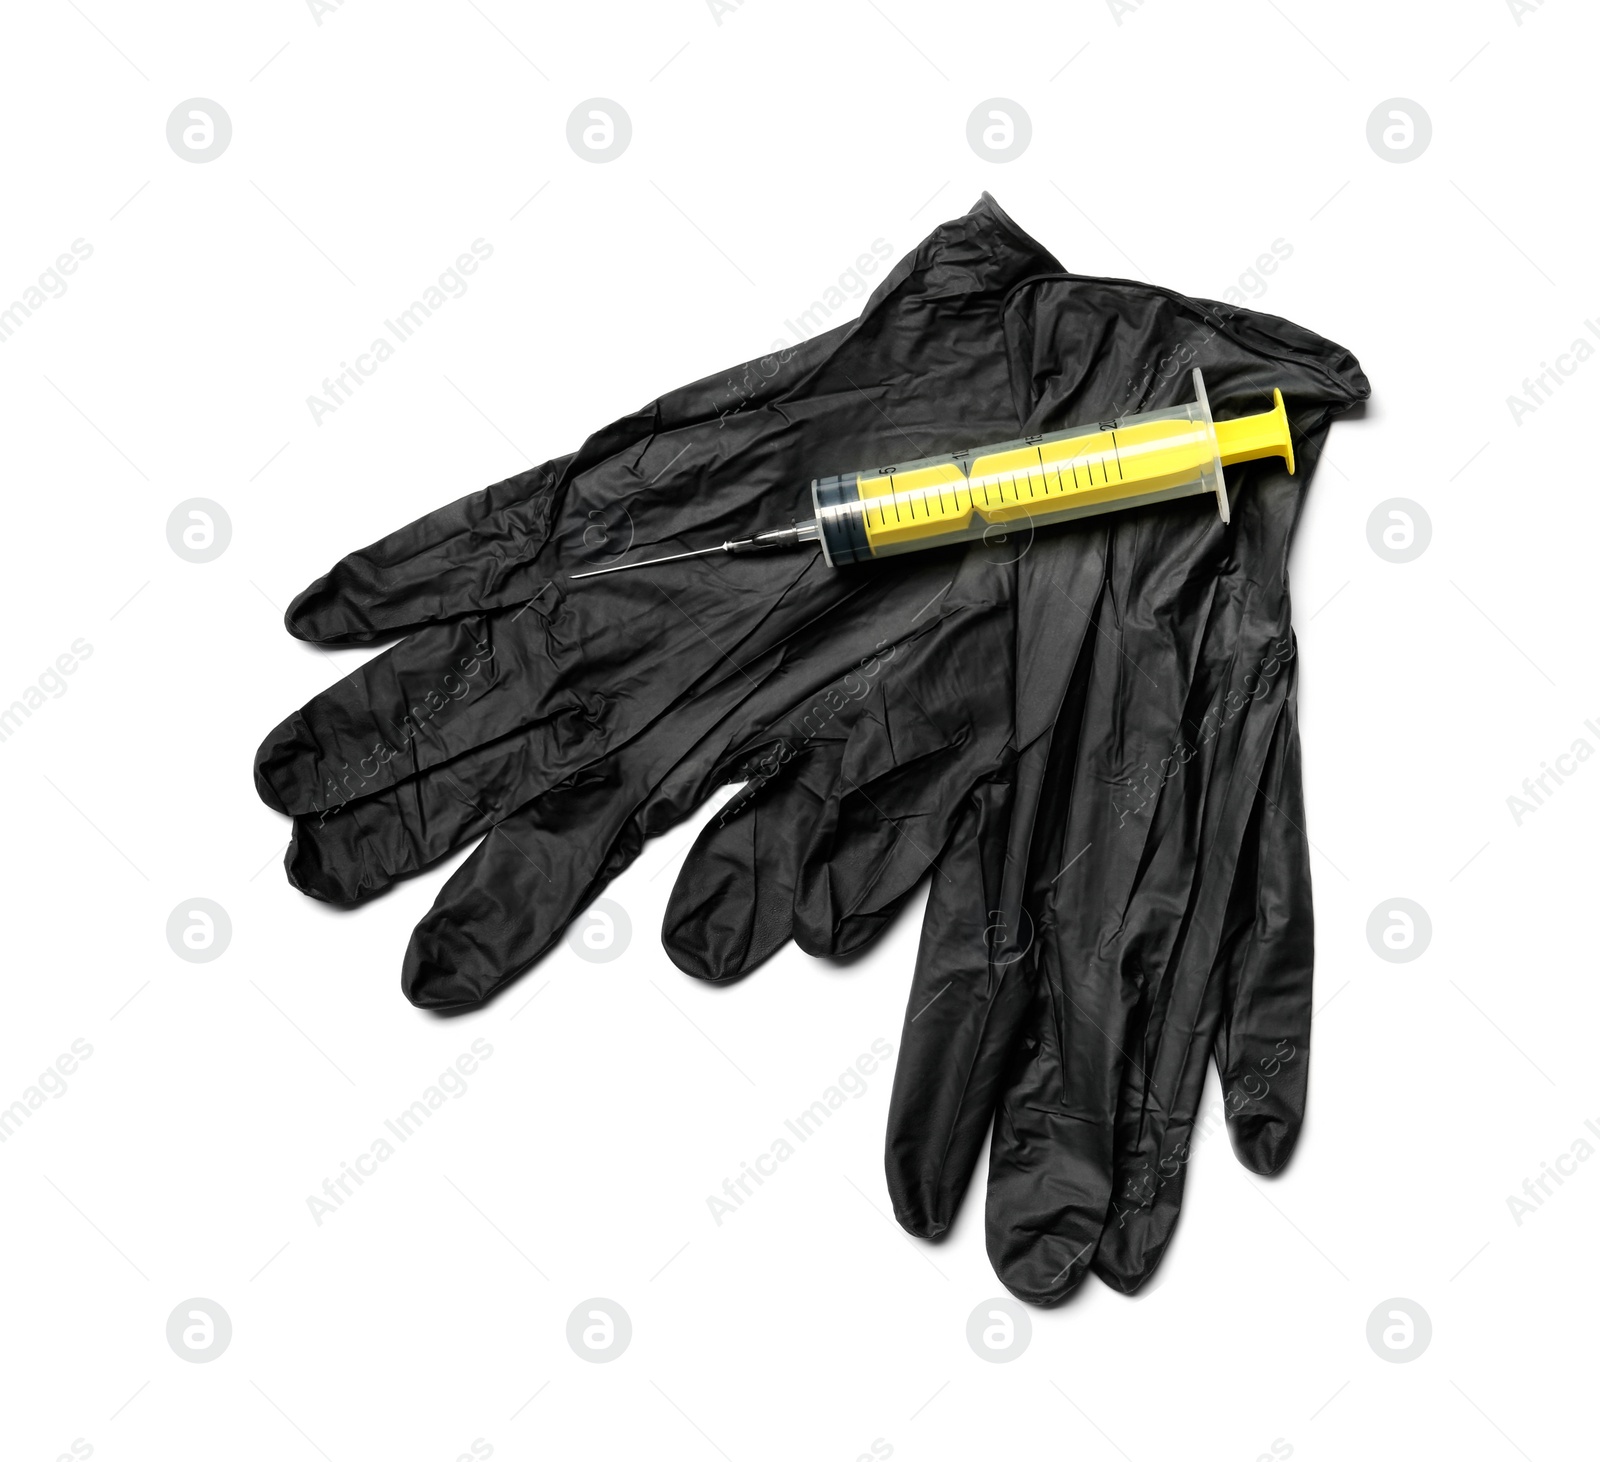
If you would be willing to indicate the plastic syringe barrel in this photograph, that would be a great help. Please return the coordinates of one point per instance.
(1030, 482)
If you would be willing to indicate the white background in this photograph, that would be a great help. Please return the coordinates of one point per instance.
(1173, 143)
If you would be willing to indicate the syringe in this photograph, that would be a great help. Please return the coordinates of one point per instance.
(1148, 457)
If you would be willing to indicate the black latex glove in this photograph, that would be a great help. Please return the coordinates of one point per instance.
(1127, 886)
(564, 718)
(1172, 894)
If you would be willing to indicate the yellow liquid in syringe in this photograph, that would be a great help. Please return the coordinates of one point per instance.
(938, 501)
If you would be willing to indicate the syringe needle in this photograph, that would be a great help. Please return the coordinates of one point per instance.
(794, 536)
(645, 563)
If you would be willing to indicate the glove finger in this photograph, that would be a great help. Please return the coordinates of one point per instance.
(440, 567)
(1256, 933)
(512, 898)
(916, 747)
(1050, 1159)
(350, 853)
(732, 906)
(421, 703)
(353, 850)
(1263, 1050)
(874, 839)
(969, 998)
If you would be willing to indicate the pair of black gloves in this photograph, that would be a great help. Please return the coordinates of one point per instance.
(1087, 734)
